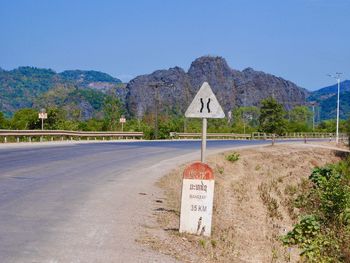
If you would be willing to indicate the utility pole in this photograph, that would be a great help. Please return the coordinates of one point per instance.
(337, 77)
(244, 109)
(156, 113)
(156, 102)
(156, 86)
(313, 115)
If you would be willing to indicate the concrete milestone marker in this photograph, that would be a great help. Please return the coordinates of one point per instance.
(197, 199)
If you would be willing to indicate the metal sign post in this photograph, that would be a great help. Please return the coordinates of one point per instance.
(42, 116)
(122, 120)
(204, 106)
(204, 139)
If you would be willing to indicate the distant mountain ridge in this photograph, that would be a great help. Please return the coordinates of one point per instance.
(326, 100)
(21, 87)
(84, 91)
(333, 89)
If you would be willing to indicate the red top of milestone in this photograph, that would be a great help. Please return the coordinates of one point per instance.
(198, 170)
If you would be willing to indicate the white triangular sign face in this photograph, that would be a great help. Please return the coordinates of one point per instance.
(205, 105)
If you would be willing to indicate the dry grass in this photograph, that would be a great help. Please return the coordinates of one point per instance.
(252, 207)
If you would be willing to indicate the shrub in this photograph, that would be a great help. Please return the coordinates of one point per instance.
(232, 157)
(323, 232)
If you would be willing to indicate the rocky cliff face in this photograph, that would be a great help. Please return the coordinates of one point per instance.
(233, 88)
(171, 89)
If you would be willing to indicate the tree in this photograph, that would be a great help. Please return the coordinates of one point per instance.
(330, 126)
(300, 117)
(245, 119)
(55, 118)
(3, 121)
(169, 124)
(91, 125)
(25, 119)
(300, 114)
(272, 117)
(112, 112)
(348, 131)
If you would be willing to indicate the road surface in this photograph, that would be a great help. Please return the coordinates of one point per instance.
(85, 202)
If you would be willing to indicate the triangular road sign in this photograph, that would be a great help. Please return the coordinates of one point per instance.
(205, 105)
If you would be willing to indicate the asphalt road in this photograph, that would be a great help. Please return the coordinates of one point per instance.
(76, 202)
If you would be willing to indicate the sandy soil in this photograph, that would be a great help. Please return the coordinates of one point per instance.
(252, 206)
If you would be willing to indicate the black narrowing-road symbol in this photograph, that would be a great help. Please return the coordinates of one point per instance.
(202, 105)
(208, 105)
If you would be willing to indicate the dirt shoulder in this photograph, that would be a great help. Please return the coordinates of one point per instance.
(252, 206)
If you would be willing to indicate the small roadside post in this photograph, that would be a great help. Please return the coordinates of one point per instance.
(42, 116)
(122, 120)
(198, 178)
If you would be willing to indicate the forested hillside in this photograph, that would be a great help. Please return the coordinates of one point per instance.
(24, 86)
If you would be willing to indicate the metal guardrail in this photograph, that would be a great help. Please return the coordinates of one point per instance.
(51, 135)
(291, 135)
(28, 135)
(188, 135)
(343, 137)
(260, 136)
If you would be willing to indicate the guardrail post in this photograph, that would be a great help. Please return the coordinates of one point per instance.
(41, 138)
(5, 139)
(273, 139)
(30, 139)
(305, 138)
(17, 139)
(51, 138)
(62, 138)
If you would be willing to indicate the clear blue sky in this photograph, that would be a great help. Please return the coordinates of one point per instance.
(300, 40)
